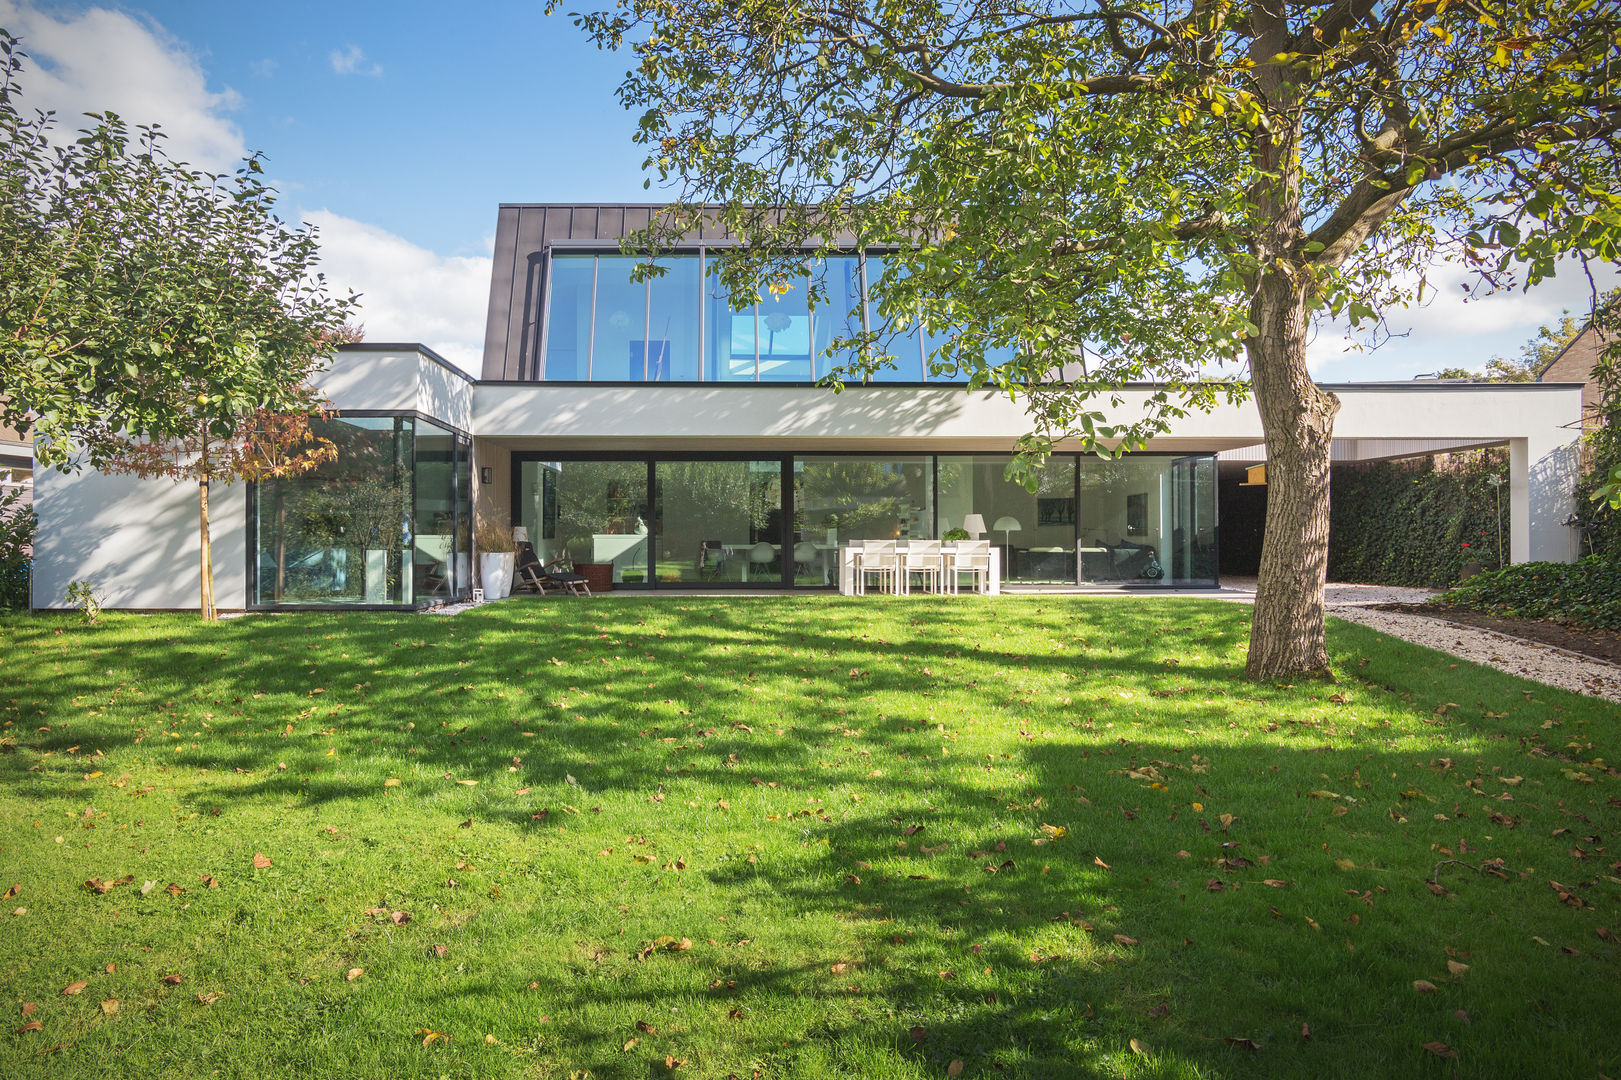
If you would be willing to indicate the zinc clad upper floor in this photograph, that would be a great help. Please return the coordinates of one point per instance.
(564, 308)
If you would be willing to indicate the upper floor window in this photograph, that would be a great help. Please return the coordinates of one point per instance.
(683, 326)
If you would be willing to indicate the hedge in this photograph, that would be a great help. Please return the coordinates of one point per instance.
(1585, 593)
(1414, 522)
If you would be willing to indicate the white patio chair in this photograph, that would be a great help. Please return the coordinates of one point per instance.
(925, 559)
(876, 558)
(971, 557)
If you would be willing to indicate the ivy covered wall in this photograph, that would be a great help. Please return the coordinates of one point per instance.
(1418, 521)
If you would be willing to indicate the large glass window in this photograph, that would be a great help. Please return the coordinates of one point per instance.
(568, 316)
(898, 335)
(674, 349)
(588, 512)
(840, 499)
(719, 521)
(385, 522)
(340, 534)
(619, 330)
(1034, 530)
(1148, 520)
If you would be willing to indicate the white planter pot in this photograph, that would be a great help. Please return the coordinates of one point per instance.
(507, 558)
(491, 574)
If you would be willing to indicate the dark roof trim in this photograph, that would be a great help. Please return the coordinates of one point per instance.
(408, 346)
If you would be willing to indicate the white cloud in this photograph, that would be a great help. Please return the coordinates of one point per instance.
(352, 61)
(100, 60)
(263, 69)
(1455, 328)
(409, 292)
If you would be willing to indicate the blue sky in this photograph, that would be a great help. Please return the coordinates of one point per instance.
(398, 128)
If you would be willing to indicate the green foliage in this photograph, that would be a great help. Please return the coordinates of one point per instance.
(140, 298)
(1098, 187)
(17, 524)
(546, 789)
(952, 535)
(1584, 593)
(83, 596)
(1394, 524)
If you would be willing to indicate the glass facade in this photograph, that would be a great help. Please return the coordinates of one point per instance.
(774, 521)
(683, 326)
(588, 512)
(385, 523)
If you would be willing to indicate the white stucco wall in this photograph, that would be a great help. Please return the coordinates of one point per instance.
(137, 541)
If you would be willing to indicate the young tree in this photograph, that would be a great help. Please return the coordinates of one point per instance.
(154, 318)
(1171, 185)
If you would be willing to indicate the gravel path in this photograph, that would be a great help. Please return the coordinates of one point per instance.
(1517, 656)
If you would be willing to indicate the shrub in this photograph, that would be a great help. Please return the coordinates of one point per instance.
(17, 522)
(83, 595)
(1585, 593)
(1416, 522)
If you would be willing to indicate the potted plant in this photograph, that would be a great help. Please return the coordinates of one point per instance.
(495, 549)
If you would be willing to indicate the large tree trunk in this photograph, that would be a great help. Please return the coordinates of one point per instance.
(1286, 636)
(208, 612)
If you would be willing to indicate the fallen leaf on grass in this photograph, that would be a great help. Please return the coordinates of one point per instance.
(1122, 939)
(646, 1028)
(630, 1044)
(1440, 1049)
(1159, 1012)
(955, 1068)
(1460, 1016)
(840, 969)
(209, 998)
(1137, 1047)
(392, 781)
(353, 974)
(172, 889)
(1242, 1043)
(172, 980)
(400, 918)
(1456, 968)
(13, 892)
(28, 1008)
(1424, 986)
(32, 1025)
(1099, 862)
(1305, 1031)
(75, 987)
(917, 1033)
(1275, 883)
(261, 861)
(430, 1036)
(109, 1006)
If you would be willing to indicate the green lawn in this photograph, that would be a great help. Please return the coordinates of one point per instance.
(794, 837)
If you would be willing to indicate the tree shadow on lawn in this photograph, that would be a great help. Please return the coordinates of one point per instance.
(1250, 961)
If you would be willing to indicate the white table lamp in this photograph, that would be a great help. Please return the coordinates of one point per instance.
(520, 535)
(974, 525)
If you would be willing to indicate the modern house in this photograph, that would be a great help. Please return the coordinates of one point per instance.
(674, 436)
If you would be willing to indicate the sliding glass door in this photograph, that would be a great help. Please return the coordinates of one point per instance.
(718, 522)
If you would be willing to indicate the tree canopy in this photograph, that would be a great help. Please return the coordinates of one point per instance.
(1169, 189)
(134, 288)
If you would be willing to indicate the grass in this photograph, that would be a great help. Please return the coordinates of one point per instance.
(847, 808)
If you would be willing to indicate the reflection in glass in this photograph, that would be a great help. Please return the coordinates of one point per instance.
(899, 337)
(340, 534)
(841, 499)
(568, 316)
(784, 334)
(619, 332)
(840, 316)
(729, 352)
(438, 568)
(1034, 530)
(1148, 520)
(719, 521)
(674, 341)
(589, 512)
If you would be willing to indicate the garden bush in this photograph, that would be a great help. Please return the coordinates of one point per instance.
(1416, 522)
(1585, 593)
(17, 521)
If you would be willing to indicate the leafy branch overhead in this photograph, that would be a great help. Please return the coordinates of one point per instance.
(1093, 180)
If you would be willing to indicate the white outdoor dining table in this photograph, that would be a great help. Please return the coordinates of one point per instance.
(847, 567)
